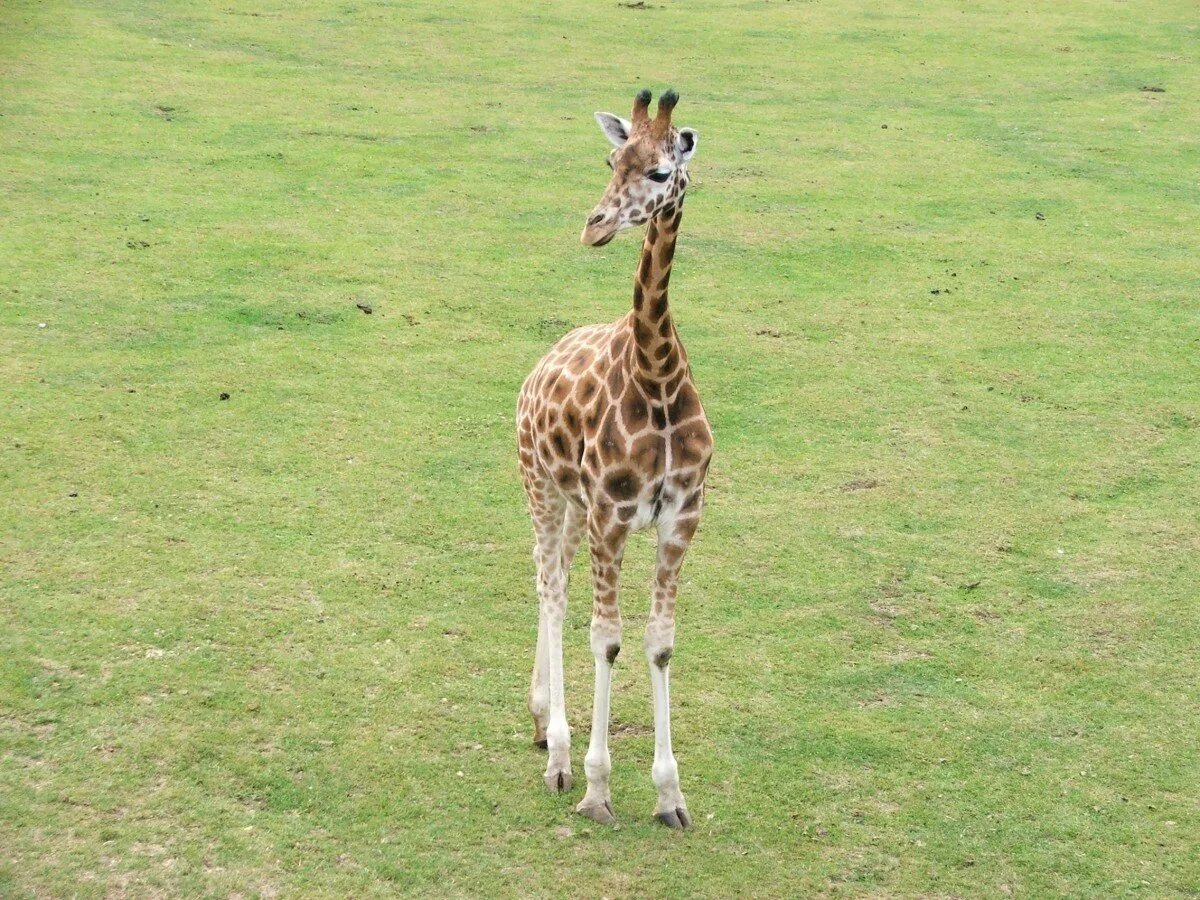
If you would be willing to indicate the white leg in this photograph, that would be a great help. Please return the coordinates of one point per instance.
(539, 686)
(558, 734)
(597, 765)
(671, 808)
(673, 540)
(546, 700)
(608, 548)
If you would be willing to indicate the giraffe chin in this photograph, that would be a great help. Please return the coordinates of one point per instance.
(590, 240)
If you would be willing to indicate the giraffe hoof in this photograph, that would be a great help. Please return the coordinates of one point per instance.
(675, 818)
(602, 813)
(541, 743)
(558, 782)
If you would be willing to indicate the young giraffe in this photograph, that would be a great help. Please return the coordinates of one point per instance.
(613, 439)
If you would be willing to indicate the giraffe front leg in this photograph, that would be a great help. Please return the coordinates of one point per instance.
(607, 550)
(673, 540)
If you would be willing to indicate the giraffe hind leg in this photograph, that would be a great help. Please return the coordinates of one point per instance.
(548, 524)
(574, 527)
(573, 531)
(547, 700)
(539, 689)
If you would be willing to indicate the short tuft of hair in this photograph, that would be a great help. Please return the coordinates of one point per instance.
(668, 99)
(643, 96)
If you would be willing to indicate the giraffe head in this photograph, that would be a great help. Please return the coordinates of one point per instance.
(649, 168)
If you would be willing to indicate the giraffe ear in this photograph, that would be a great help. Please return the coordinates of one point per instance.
(686, 143)
(615, 128)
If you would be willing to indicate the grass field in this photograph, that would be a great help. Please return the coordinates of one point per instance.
(938, 280)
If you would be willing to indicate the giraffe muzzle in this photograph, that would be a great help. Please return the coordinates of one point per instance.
(599, 230)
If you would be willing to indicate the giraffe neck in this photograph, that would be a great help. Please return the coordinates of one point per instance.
(658, 354)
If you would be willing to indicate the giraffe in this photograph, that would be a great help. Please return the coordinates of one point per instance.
(612, 439)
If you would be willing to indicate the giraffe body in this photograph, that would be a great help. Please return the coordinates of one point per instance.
(612, 439)
(641, 452)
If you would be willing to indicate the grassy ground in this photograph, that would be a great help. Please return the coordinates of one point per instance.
(938, 281)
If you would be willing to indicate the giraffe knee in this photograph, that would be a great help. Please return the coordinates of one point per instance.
(659, 653)
(606, 639)
(660, 644)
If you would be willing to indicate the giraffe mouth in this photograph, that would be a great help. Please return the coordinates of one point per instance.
(598, 235)
(589, 238)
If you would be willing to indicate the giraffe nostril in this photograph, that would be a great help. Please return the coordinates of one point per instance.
(594, 219)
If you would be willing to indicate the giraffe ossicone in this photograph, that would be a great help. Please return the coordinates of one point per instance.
(612, 439)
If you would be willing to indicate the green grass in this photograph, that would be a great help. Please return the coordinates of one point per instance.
(938, 634)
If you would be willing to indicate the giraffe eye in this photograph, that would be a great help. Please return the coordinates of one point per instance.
(658, 176)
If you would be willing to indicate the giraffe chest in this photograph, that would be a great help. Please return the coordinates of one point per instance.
(650, 464)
